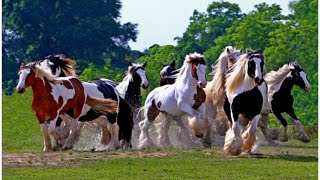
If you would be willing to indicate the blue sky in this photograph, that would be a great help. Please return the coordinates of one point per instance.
(159, 21)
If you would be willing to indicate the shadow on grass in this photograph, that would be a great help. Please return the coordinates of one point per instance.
(288, 157)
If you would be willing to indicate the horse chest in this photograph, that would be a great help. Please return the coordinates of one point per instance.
(199, 98)
(281, 101)
(248, 103)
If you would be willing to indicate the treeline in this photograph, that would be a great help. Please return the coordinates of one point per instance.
(91, 33)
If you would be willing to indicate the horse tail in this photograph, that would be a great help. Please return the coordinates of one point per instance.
(102, 105)
(125, 123)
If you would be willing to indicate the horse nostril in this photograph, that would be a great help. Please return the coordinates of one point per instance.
(199, 135)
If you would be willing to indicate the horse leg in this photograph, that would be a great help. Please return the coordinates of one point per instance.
(249, 136)
(47, 142)
(302, 135)
(114, 143)
(233, 141)
(283, 136)
(151, 112)
(163, 130)
(183, 134)
(263, 124)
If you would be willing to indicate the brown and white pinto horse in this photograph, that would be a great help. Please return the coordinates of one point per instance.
(54, 96)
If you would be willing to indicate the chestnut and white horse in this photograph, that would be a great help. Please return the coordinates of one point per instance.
(180, 98)
(243, 97)
(54, 96)
(121, 123)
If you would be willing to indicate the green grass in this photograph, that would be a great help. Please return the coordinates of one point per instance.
(20, 128)
(21, 134)
(179, 164)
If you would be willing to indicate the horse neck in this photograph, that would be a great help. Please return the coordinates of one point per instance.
(133, 94)
(287, 85)
(38, 87)
(187, 79)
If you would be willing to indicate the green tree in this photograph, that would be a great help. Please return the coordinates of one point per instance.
(204, 28)
(157, 56)
(86, 30)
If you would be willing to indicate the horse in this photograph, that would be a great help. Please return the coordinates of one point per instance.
(101, 88)
(184, 97)
(53, 96)
(130, 90)
(243, 97)
(279, 99)
(215, 95)
(167, 73)
(215, 92)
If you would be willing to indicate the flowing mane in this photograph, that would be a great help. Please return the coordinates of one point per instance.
(219, 70)
(41, 71)
(61, 62)
(192, 57)
(236, 74)
(275, 77)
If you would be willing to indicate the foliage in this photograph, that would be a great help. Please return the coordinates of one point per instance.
(155, 58)
(105, 72)
(86, 30)
(205, 27)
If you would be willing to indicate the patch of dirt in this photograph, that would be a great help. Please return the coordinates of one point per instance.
(70, 158)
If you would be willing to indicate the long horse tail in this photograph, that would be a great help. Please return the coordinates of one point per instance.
(125, 122)
(104, 106)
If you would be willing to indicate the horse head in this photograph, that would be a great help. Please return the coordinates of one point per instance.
(26, 76)
(198, 70)
(167, 69)
(232, 54)
(299, 76)
(138, 73)
(256, 62)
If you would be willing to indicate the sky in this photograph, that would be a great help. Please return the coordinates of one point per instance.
(160, 21)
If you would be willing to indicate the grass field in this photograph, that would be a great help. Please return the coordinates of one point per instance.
(23, 159)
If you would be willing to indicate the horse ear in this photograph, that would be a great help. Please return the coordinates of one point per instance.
(144, 65)
(228, 50)
(173, 64)
(130, 64)
(22, 63)
(241, 50)
(249, 51)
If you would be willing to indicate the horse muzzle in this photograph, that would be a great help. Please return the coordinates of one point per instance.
(202, 84)
(145, 85)
(20, 90)
(307, 88)
(258, 81)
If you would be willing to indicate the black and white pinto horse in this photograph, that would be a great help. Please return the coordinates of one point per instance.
(130, 90)
(243, 97)
(279, 99)
(121, 122)
(180, 98)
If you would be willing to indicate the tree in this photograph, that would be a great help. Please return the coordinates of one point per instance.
(204, 28)
(89, 31)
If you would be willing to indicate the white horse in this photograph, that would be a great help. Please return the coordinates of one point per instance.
(184, 97)
(244, 97)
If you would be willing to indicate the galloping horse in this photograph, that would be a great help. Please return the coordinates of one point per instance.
(54, 96)
(215, 96)
(101, 88)
(215, 91)
(184, 97)
(243, 97)
(280, 84)
(130, 90)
